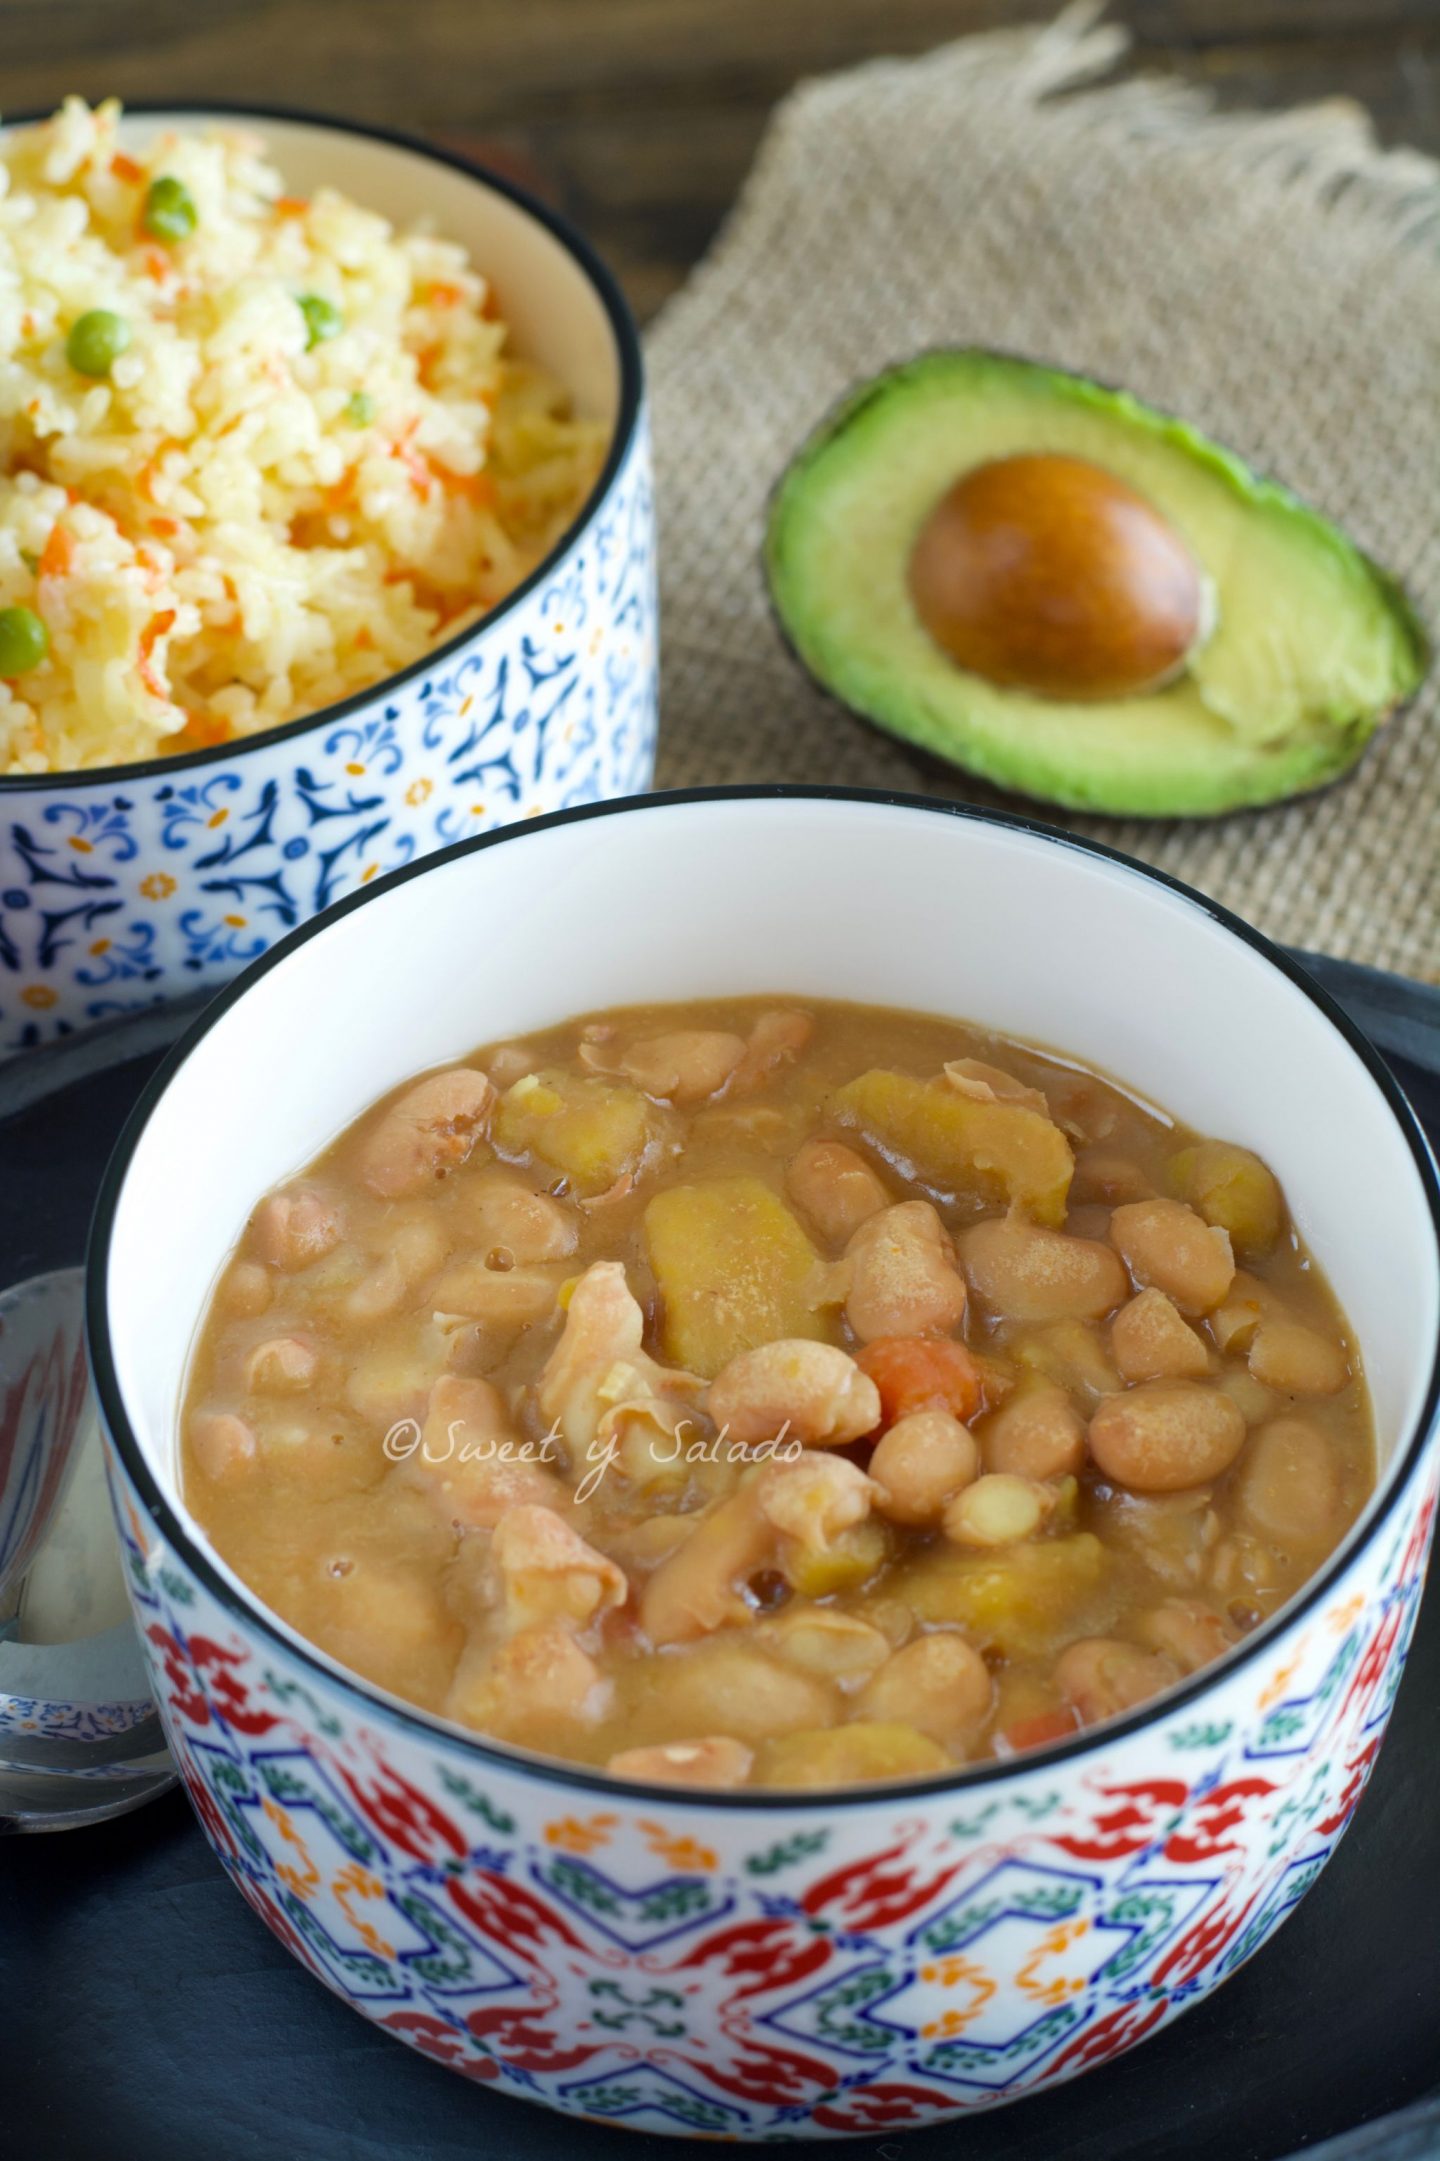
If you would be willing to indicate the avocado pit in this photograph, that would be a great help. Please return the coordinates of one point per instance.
(1047, 574)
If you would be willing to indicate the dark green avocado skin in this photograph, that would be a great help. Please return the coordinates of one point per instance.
(1293, 595)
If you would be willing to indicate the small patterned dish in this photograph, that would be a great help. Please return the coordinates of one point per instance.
(124, 885)
(761, 1964)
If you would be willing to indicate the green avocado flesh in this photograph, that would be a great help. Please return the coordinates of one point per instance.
(1312, 645)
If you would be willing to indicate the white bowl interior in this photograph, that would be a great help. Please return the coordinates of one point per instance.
(888, 904)
(554, 311)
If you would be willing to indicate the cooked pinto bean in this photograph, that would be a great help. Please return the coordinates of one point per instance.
(920, 1463)
(1165, 1435)
(248, 1288)
(414, 1247)
(835, 1187)
(1185, 1631)
(377, 1294)
(507, 1298)
(503, 1214)
(1297, 1361)
(1025, 1273)
(282, 1367)
(1038, 1434)
(1288, 1485)
(939, 1684)
(683, 1067)
(1149, 1341)
(716, 1761)
(224, 1445)
(294, 1230)
(776, 1040)
(1165, 1244)
(738, 1689)
(823, 1640)
(392, 1378)
(1102, 1677)
(808, 1390)
(510, 1062)
(431, 1130)
(902, 1278)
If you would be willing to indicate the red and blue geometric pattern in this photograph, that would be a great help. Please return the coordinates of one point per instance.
(776, 1971)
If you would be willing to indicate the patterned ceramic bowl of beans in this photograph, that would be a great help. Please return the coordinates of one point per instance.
(769, 1964)
(123, 885)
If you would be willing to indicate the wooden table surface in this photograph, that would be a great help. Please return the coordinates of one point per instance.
(640, 117)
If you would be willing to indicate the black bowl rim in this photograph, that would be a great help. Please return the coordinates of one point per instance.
(427, 1727)
(632, 398)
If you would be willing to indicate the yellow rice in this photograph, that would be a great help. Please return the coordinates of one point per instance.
(230, 530)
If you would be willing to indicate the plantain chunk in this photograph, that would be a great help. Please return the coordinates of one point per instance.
(849, 1755)
(592, 1131)
(1022, 1602)
(1004, 1152)
(1232, 1189)
(734, 1270)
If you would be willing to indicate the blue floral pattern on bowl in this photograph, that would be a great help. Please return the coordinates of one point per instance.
(114, 897)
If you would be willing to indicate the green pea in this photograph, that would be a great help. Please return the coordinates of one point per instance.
(170, 212)
(96, 342)
(322, 319)
(359, 408)
(30, 559)
(24, 640)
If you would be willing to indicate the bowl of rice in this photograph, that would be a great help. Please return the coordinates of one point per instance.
(326, 536)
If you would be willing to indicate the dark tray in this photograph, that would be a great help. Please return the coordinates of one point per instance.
(146, 2014)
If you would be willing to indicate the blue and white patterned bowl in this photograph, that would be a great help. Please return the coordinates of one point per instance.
(124, 885)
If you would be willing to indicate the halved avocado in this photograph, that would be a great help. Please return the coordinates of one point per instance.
(1305, 648)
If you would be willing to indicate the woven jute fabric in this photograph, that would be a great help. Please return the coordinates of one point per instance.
(1274, 279)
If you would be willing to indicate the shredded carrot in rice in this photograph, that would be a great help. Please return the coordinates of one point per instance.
(58, 554)
(154, 630)
(202, 731)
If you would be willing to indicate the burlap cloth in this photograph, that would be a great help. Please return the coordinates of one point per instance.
(1276, 280)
